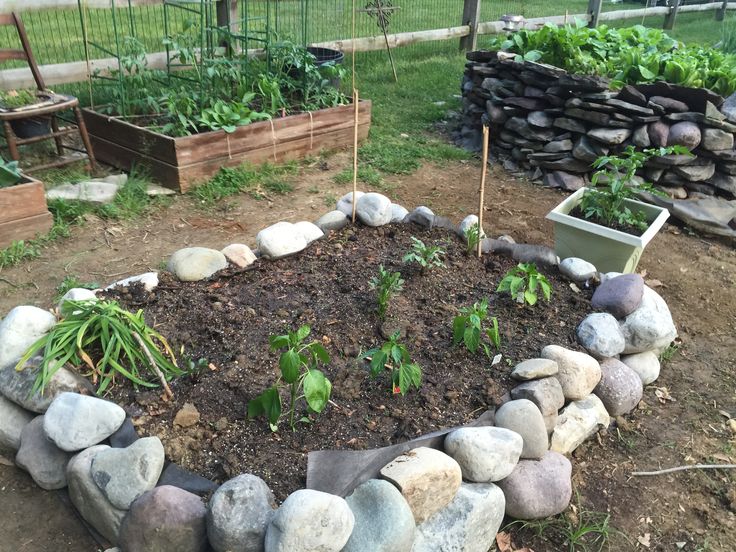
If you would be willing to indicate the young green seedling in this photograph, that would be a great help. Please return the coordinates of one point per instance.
(468, 328)
(394, 357)
(426, 256)
(523, 281)
(472, 235)
(386, 284)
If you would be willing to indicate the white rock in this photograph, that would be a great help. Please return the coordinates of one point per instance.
(578, 421)
(398, 212)
(423, 216)
(650, 327)
(239, 254)
(156, 190)
(578, 373)
(94, 192)
(577, 270)
(609, 275)
(76, 294)
(466, 224)
(280, 240)
(374, 209)
(534, 368)
(309, 230)
(345, 203)
(12, 421)
(75, 422)
(192, 264)
(149, 280)
(522, 416)
(645, 364)
(310, 521)
(20, 329)
(601, 335)
(485, 454)
(334, 220)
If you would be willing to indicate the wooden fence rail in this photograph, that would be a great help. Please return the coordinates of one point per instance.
(77, 71)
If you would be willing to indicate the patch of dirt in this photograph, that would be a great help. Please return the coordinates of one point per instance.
(687, 511)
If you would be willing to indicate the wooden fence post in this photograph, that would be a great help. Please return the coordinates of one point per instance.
(594, 11)
(669, 19)
(471, 16)
(721, 12)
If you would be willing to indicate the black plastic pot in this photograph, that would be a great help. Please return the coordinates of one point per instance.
(327, 55)
(30, 128)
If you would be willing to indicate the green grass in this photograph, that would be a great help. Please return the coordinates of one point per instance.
(260, 182)
(72, 282)
(366, 174)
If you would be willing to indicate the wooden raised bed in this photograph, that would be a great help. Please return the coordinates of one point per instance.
(179, 163)
(23, 212)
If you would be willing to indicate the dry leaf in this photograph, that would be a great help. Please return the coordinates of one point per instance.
(663, 395)
(503, 542)
(644, 540)
(575, 288)
(654, 283)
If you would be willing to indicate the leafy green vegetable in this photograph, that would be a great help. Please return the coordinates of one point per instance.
(394, 357)
(523, 281)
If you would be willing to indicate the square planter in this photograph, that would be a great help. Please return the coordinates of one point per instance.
(609, 250)
(23, 211)
(180, 163)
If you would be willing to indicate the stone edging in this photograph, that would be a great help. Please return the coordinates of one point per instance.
(426, 499)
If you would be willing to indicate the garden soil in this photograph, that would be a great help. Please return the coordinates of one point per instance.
(683, 419)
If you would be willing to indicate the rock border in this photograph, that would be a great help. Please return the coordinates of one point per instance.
(450, 491)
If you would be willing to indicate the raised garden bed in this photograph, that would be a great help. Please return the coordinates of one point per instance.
(179, 163)
(23, 211)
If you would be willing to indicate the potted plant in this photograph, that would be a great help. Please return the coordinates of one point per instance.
(18, 100)
(604, 223)
(23, 210)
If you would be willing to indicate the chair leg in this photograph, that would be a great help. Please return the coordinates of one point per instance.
(10, 139)
(57, 139)
(85, 137)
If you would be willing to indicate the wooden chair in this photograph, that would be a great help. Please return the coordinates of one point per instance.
(46, 109)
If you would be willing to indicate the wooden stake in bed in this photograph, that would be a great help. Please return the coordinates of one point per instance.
(483, 170)
(355, 152)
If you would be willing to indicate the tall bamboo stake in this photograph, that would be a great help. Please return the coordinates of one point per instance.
(355, 153)
(482, 189)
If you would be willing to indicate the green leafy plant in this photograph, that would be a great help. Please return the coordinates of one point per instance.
(386, 284)
(468, 328)
(108, 340)
(71, 282)
(607, 203)
(426, 256)
(10, 174)
(394, 357)
(14, 99)
(523, 281)
(227, 116)
(472, 236)
(298, 367)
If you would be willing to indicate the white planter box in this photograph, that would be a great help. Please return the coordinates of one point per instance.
(609, 250)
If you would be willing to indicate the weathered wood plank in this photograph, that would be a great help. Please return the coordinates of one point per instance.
(21, 201)
(21, 6)
(25, 228)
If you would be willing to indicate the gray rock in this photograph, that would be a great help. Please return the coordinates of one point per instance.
(280, 240)
(685, 134)
(184, 479)
(310, 521)
(87, 497)
(523, 128)
(310, 231)
(557, 146)
(485, 454)
(423, 216)
(716, 139)
(601, 335)
(567, 164)
(658, 133)
(578, 421)
(594, 117)
(641, 137)
(586, 150)
(728, 108)
(124, 474)
(538, 489)
(522, 416)
(90, 191)
(239, 513)
(75, 422)
(192, 264)
(619, 296)
(427, 478)
(572, 125)
(540, 119)
(534, 368)
(345, 203)
(564, 180)
(630, 94)
(165, 519)
(468, 524)
(148, 280)
(578, 373)
(398, 212)
(630, 108)
(383, 519)
(17, 386)
(611, 136)
(577, 270)
(645, 364)
(466, 224)
(44, 461)
(334, 220)
(669, 104)
(374, 209)
(725, 182)
(650, 327)
(546, 393)
(620, 388)
(20, 329)
(239, 254)
(12, 421)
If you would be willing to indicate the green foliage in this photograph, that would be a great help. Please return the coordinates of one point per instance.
(523, 281)
(366, 174)
(229, 115)
(105, 338)
(669, 352)
(72, 282)
(386, 284)
(257, 181)
(468, 328)
(298, 366)
(394, 357)
(426, 256)
(17, 252)
(13, 99)
(629, 55)
(10, 174)
(607, 204)
(472, 236)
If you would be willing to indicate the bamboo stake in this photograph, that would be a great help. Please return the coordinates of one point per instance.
(155, 368)
(482, 189)
(355, 153)
(684, 468)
